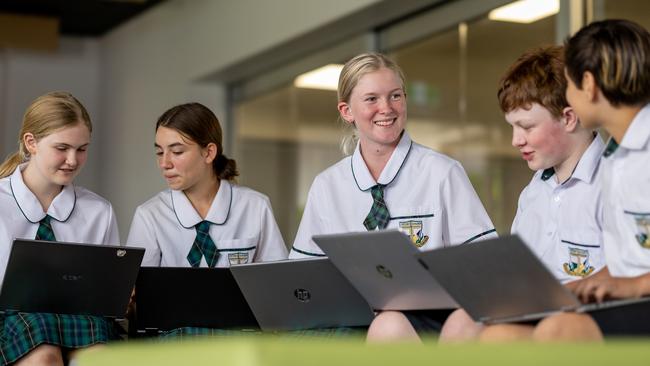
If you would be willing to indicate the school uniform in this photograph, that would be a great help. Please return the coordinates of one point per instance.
(561, 222)
(626, 229)
(428, 195)
(76, 215)
(241, 221)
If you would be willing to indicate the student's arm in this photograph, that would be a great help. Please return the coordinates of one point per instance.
(141, 234)
(602, 286)
(112, 234)
(310, 225)
(465, 219)
(270, 246)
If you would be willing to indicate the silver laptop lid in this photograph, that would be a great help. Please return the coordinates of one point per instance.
(498, 280)
(301, 294)
(69, 278)
(383, 268)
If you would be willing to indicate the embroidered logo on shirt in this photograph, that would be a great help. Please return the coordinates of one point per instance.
(238, 258)
(578, 263)
(642, 229)
(413, 228)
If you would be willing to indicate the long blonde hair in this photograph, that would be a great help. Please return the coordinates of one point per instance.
(351, 73)
(46, 114)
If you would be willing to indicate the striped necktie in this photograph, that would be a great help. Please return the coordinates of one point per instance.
(203, 246)
(378, 217)
(44, 231)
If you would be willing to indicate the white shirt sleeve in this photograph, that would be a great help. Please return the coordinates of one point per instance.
(271, 245)
(112, 235)
(141, 234)
(464, 217)
(311, 224)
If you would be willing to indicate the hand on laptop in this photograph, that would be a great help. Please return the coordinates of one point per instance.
(603, 286)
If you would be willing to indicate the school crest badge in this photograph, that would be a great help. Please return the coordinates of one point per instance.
(413, 228)
(238, 258)
(578, 264)
(642, 229)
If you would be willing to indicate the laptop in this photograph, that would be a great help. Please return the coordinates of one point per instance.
(381, 265)
(69, 278)
(174, 297)
(502, 280)
(301, 294)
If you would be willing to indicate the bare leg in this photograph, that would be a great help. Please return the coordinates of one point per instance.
(43, 355)
(391, 326)
(568, 327)
(507, 333)
(459, 327)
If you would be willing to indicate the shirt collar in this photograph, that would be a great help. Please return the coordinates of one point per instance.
(587, 165)
(638, 133)
(217, 215)
(362, 175)
(60, 209)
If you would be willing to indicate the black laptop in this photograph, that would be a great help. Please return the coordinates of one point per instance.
(69, 278)
(173, 297)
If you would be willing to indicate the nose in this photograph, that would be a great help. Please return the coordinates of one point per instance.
(518, 139)
(164, 162)
(71, 158)
(385, 106)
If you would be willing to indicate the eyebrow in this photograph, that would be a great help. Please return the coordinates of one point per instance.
(175, 144)
(68, 145)
(392, 91)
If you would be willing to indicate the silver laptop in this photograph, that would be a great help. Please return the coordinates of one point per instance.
(301, 294)
(383, 268)
(69, 278)
(501, 280)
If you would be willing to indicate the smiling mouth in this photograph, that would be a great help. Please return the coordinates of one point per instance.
(385, 122)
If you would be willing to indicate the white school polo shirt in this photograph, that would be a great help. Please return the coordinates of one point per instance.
(243, 228)
(78, 216)
(428, 195)
(562, 222)
(626, 188)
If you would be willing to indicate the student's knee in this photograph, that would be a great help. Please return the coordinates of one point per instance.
(501, 333)
(460, 327)
(391, 326)
(568, 327)
(43, 355)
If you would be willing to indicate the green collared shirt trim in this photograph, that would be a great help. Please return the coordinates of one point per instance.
(611, 147)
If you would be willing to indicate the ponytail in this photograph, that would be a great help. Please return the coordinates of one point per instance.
(12, 162)
(224, 168)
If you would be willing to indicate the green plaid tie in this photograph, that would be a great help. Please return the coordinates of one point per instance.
(44, 231)
(203, 246)
(378, 217)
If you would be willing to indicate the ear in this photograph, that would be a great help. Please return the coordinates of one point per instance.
(344, 111)
(569, 119)
(30, 143)
(210, 152)
(589, 86)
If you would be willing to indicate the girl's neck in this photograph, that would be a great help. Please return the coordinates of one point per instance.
(44, 190)
(376, 156)
(202, 194)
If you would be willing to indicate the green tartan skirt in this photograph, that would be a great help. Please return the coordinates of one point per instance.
(22, 332)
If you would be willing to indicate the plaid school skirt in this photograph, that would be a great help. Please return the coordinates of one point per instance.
(22, 332)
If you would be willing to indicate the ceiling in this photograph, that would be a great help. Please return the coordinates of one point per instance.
(89, 18)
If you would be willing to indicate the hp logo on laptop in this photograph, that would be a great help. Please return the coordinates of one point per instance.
(121, 253)
(384, 271)
(302, 295)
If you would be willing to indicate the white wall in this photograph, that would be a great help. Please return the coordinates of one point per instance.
(24, 75)
(150, 64)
